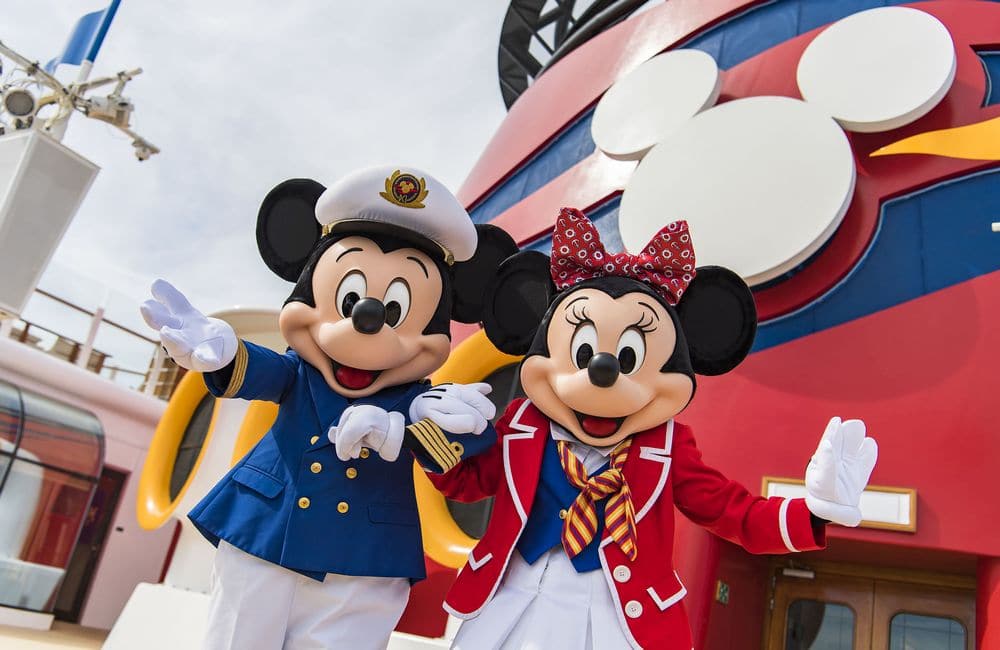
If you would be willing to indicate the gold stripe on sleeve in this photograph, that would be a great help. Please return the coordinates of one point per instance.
(239, 371)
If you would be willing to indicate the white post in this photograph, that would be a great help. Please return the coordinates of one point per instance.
(84, 73)
(6, 326)
(153, 378)
(95, 324)
(58, 130)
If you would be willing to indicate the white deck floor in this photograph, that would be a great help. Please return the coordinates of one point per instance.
(62, 635)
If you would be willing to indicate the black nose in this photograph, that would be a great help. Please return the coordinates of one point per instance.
(368, 315)
(603, 370)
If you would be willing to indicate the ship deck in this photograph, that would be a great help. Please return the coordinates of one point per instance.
(62, 635)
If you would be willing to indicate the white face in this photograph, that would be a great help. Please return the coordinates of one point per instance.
(355, 364)
(786, 165)
(633, 328)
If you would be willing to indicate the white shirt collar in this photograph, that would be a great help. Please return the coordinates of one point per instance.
(559, 433)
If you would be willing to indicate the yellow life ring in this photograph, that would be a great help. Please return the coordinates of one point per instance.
(445, 542)
(154, 505)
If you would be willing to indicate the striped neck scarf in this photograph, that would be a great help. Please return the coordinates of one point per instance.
(580, 525)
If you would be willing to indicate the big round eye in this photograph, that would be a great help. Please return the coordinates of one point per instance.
(583, 344)
(631, 351)
(352, 289)
(397, 302)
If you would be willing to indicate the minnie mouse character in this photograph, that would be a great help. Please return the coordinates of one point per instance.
(318, 539)
(587, 470)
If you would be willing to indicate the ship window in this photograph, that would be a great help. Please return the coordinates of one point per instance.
(52, 454)
(191, 444)
(991, 66)
(918, 632)
(817, 625)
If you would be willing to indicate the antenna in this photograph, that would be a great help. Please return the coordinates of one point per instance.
(28, 89)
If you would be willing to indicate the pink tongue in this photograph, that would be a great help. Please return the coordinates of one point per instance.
(354, 378)
(599, 427)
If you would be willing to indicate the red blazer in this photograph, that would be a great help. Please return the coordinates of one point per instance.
(663, 469)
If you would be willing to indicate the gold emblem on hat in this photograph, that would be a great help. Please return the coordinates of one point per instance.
(405, 190)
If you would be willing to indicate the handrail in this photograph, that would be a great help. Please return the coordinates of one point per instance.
(82, 310)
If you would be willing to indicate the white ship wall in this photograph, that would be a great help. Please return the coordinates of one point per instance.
(129, 418)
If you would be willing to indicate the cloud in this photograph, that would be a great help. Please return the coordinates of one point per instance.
(241, 95)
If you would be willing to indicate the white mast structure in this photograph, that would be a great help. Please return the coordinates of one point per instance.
(23, 110)
(43, 182)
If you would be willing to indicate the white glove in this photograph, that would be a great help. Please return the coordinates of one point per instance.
(838, 472)
(366, 425)
(456, 408)
(193, 340)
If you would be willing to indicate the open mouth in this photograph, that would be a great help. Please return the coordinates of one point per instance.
(598, 427)
(353, 378)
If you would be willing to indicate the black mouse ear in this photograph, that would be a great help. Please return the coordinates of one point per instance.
(287, 230)
(719, 319)
(469, 278)
(516, 301)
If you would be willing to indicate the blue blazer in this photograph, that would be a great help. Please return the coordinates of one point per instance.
(292, 502)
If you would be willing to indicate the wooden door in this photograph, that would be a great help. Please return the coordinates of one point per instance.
(833, 613)
(911, 617)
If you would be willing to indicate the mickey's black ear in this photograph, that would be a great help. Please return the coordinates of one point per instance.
(469, 278)
(516, 301)
(287, 230)
(719, 319)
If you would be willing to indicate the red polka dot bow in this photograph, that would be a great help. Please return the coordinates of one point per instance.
(666, 263)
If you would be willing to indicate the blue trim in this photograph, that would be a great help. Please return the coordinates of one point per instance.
(991, 66)
(731, 42)
(604, 217)
(566, 149)
(932, 239)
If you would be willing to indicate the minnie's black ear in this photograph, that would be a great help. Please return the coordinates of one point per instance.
(469, 278)
(719, 319)
(516, 301)
(287, 230)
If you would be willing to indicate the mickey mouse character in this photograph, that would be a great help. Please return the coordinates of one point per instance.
(587, 470)
(318, 539)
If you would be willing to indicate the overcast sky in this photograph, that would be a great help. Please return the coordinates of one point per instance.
(240, 95)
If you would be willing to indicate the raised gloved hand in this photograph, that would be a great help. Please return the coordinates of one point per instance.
(193, 340)
(839, 471)
(456, 408)
(366, 425)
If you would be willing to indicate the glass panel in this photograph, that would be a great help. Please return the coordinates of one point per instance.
(918, 632)
(815, 625)
(191, 444)
(10, 414)
(61, 436)
(41, 511)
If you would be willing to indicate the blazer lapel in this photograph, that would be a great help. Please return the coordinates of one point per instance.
(648, 466)
(328, 403)
(522, 456)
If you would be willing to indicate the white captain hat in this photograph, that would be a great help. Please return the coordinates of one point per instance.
(404, 197)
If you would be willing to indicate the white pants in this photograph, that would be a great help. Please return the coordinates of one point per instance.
(546, 606)
(257, 605)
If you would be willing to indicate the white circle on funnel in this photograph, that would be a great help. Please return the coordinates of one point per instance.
(879, 69)
(763, 182)
(653, 100)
